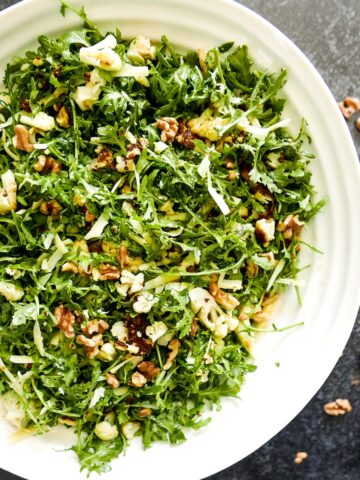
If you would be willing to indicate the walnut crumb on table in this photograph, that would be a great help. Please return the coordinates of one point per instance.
(300, 457)
(349, 106)
(357, 124)
(341, 406)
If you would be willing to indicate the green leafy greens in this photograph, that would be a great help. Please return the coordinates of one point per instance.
(150, 213)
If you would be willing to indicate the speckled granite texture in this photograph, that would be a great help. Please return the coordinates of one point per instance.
(328, 32)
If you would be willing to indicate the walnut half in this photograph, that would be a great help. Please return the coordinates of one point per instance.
(169, 127)
(173, 346)
(109, 272)
(51, 207)
(300, 457)
(22, 139)
(341, 406)
(148, 369)
(46, 164)
(65, 320)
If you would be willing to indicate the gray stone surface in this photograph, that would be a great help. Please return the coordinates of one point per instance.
(327, 31)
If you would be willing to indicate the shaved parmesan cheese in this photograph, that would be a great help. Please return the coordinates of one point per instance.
(60, 244)
(98, 395)
(48, 241)
(128, 70)
(218, 199)
(41, 121)
(38, 339)
(203, 170)
(204, 167)
(98, 227)
(161, 280)
(21, 359)
(230, 284)
(276, 273)
(48, 264)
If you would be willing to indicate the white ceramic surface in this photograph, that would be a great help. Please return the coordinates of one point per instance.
(272, 396)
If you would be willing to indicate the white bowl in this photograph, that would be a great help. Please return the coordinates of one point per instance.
(272, 395)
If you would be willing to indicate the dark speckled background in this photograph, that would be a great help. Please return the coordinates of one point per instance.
(328, 32)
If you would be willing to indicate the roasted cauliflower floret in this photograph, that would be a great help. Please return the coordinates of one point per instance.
(140, 49)
(8, 193)
(207, 126)
(204, 305)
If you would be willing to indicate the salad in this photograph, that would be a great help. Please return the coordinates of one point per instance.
(151, 207)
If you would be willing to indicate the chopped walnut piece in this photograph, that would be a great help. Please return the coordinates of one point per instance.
(57, 71)
(202, 60)
(148, 369)
(184, 135)
(22, 139)
(65, 320)
(251, 269)
(91, 345)
(230, 165)
(63, 117)
(349, 106)
(174, 346)
(87, 342)
(357, 124)
(25, 105)
(112, 381)
(145, 412)
(123, 256)
(143, 142)
(51, 207)
(266, 198)
(89, 217)
(38, 62)
(208, 359)
(341, 406)
(125, 260)
(243, 316)
(228, 301)
(169, 127)
(232, 176)
(267, 308)
(300, 457)
(194, 327)
(46, 164)
(138, 380)
(70, 267)
(94, 326)
(290, 227)
(70, 422)
(109, 272)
